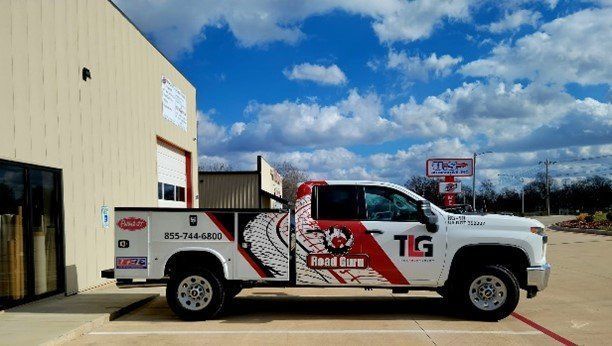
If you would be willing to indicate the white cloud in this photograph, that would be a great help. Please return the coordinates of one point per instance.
(514, 21)
(414, 20)
(177, 25)
(330, 75)
(496, 114)
(575, 48)
(419, 68)
(285, 125)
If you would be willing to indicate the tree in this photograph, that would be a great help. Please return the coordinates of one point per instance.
(426, 187)
(487, 195)
(292, 176)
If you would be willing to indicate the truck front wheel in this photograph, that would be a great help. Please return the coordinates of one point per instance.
(195, 294)
(489, 293)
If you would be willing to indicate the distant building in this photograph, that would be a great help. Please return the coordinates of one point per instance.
(262, 188)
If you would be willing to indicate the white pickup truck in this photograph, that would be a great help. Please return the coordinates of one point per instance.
(343, 234)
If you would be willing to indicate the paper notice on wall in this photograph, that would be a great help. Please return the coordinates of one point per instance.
(174, 104)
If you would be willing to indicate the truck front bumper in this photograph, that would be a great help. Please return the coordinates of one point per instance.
(537, 277)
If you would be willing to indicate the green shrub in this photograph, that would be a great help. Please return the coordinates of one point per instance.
(599, 216)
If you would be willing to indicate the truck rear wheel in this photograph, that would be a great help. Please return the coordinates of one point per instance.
(489, 293)
(195, 294)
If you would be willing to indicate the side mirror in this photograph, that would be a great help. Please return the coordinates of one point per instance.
(427, 217)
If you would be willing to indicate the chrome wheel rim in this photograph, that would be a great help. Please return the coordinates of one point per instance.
(488, 292)
(194, 293)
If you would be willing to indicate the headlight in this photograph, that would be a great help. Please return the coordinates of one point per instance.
(540, 231)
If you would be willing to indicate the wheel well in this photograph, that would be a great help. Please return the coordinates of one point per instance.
(511, 257)
(193, 259)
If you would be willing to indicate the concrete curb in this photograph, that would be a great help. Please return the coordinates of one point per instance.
(91, 325)
(579, 230)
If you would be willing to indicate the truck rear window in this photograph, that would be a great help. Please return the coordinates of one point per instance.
(336, 202)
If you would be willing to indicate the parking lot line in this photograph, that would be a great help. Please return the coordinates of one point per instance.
(341, 331)
(542, 329)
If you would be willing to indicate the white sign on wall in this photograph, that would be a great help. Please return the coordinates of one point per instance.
(174, 104)
(105, 214)
(449, 187)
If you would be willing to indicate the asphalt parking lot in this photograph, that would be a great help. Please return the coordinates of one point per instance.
(575, 308)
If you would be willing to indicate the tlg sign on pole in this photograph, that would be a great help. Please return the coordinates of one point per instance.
(449, 169)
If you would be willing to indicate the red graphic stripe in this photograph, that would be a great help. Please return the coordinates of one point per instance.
(379, 260)
(536, 326)
(242, 251)
(253, 264)
(335, 275)
(228, 234)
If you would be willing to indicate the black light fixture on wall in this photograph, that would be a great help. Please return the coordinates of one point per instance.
(86, 74)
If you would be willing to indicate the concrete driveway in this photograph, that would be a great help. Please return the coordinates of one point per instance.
(575, 308)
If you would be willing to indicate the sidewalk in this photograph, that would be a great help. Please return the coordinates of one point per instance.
(57, 319)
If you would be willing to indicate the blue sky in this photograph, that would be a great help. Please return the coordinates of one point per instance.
(371, 89)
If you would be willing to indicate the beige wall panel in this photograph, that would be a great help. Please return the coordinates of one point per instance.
(106, 243)
(64, 117)
(19, 44)
(7, 117)
(35, 81)
(101, 133)
(50, 85)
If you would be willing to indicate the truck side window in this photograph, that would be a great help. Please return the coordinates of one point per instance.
(337, 202)
(384, 204)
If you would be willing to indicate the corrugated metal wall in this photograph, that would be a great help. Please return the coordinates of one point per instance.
(226, 190)
(101, 133)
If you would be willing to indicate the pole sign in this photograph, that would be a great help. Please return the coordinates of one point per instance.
(446, 187)
(450, 167)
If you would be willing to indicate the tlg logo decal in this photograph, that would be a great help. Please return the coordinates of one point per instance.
(419, 246)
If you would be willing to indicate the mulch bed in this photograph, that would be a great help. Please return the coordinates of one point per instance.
(603, 225)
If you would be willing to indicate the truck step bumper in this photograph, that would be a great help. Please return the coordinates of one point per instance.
(108, 274)
(538, 276)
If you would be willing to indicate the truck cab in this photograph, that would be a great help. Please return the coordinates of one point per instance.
(345, 234)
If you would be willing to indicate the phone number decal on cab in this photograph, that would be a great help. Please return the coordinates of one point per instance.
(193, 236)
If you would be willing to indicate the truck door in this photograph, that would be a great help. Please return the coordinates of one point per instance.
(334, 246)
(391, 220)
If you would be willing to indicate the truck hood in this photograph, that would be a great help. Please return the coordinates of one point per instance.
(497, 222)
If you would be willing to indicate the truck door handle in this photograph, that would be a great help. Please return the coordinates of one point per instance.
(374, 231)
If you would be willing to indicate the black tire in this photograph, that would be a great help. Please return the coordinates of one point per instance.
(489, 293)
(188, 307)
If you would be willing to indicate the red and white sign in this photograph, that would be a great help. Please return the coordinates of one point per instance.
(449, 187)
(450, 167)
(131, 224)
(449, 199)
(331, 261)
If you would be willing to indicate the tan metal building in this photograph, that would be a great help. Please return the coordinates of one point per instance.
(92, 116)
(261, 188)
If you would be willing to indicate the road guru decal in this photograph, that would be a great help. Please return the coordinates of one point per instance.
(131, 223)
(329, 261)
(131, 263)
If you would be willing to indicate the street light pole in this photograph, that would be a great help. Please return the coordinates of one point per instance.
(547, 181)
(474, 178)
(474, 185)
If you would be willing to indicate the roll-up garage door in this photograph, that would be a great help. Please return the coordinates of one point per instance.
(171, 176)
